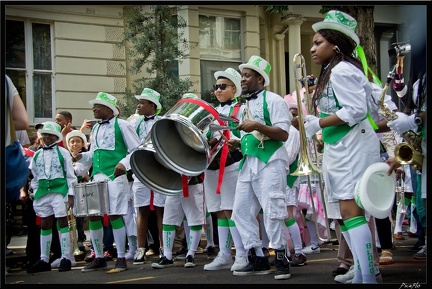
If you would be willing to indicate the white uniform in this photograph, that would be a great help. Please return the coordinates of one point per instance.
(263, 185)
(47, 167)
(224, 200)
(142, 194)
(103, 137)
(176, 207)
(345, 160)
(292, 146)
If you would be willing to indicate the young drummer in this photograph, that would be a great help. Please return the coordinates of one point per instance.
(191, 205)
(144, 198)
(53, 179)
(227, 88)
(112, 142)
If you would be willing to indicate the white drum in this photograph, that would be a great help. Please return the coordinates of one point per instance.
(91, 199)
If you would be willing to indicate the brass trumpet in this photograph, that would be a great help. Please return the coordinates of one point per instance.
(73, 232)
(305, 165)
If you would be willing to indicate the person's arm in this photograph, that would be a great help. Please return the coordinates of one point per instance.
(19, 112)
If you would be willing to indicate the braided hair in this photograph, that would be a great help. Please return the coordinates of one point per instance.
(346, 46)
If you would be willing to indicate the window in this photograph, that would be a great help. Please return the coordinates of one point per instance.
(220, 38)
(30, 66)
(220, 47)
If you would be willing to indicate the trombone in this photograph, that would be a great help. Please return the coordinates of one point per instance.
(305, 165)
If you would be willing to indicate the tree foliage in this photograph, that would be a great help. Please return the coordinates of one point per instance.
(155, 39)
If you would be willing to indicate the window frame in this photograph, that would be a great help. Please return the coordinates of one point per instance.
(29, 70)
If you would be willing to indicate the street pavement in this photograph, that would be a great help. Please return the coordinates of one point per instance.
(405, 272)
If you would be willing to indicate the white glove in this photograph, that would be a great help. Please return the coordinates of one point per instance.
(403, 123)
(312, 125)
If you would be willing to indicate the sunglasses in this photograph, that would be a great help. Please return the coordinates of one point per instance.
(222, 86)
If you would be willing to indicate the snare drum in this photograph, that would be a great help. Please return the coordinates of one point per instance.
(91, 199)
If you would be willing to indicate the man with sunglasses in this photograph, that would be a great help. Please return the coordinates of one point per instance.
(263, 170)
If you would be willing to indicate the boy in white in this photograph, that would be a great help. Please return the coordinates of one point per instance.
(144, 198)
(220, 195)
(52, 185)
(113, 140)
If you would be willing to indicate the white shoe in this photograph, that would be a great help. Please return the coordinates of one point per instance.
(219, 263)
(139, 257)
(347, 277)
(240, 262)
(130, 255)
(56, 262)
(311, 249)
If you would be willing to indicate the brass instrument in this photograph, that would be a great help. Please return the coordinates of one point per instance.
(73, 232)
(305, 165)
(409, 152)
(400, 196)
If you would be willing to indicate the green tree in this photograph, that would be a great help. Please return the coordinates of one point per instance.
(155, 39)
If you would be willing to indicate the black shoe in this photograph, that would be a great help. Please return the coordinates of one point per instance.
(65, 265)
(189, 262)
(257, 266)
(39, 266)
(339, 271)
(417, 246)
(212, 252)
(282, 265)
(162, 263)
(97, 264)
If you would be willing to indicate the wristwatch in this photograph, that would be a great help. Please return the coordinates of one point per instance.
(417, 120)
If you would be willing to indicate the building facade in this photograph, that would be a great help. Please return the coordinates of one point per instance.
(61, 56)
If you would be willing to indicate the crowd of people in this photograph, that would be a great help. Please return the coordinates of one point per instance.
(250, 187)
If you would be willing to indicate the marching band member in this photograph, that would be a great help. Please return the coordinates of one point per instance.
(112, 142)
(189, 204)
(144, 198)
(52, 184)
(342, 94)
(227, 88)
(265, 161)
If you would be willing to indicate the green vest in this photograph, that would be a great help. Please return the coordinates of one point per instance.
(249, 143)
(332, 134)
(58, 185)
(104, 161)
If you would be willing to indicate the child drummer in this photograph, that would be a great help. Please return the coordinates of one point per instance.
(112, 142)
(52, 185)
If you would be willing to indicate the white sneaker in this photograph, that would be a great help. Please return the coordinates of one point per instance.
(139, 257)
(240, 262)
(311, 249)
(347, 277)
(219, 263)
(56, 262)
(130, 255)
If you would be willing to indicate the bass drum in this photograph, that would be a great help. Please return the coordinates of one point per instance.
(179, 137)
(152, 172)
